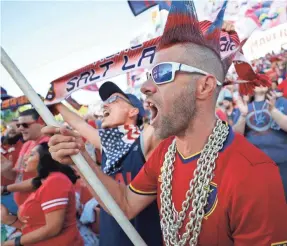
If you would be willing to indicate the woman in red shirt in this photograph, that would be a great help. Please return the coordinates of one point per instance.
(49, 213)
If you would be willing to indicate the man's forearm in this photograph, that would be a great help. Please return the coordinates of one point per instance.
(81, 126)
(279, 118)
(117, 190)
(24, 186)
(240, 125)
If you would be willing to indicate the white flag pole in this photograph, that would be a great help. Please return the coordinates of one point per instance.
(78, 159)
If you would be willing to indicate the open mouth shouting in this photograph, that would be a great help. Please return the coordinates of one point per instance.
(154, 111)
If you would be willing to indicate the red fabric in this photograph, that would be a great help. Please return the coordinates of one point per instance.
(20, 197)
(221, 115)
(283, 87)
(250, 206)
(92, 123)
(13, 153)
(55, 193)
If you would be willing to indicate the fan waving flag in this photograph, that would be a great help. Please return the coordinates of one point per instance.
(137, 7)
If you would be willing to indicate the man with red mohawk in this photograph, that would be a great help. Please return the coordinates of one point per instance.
(212, 186)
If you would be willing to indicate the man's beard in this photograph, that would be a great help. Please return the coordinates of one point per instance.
(13, 140)
(179, 117)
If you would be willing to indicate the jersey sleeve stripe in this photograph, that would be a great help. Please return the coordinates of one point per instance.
(54, 205)
(148, 193)
(54, 200)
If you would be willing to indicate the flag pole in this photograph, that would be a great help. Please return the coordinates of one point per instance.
(78, 159)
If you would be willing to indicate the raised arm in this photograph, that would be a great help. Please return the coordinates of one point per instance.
(80, 125)
(66, 142)
(24, 186)
(239, 126)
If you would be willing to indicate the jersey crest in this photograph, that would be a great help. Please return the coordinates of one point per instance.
(211, 200)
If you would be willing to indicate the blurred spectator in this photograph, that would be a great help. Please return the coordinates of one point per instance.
(49, 212)
(86, 208)
(264, 123)
(11, 146)
(30, 125)
(231, 112)
(226, 91)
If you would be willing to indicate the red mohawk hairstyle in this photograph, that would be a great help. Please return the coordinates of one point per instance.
(182, 26)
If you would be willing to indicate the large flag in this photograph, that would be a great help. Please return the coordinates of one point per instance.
(138, 7)
(135, 58)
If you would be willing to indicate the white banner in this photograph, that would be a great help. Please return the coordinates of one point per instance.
(262, 42)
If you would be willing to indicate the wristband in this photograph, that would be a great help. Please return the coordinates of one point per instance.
(18, 241)
(5, 191)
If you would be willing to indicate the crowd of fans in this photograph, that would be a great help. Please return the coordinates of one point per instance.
(61, 208)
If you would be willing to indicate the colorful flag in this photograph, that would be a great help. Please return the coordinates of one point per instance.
(138, 7)
(268, 13)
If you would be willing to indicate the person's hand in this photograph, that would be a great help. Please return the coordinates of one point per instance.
(271, 100)
(63, 143)
(242, 105)
(228, 26)
(9, 243)
(5, 163)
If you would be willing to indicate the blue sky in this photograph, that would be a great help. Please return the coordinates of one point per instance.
(47, 39)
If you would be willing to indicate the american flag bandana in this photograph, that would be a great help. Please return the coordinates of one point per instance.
(116, 143)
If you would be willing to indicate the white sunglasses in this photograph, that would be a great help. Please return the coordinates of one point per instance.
(164, 72)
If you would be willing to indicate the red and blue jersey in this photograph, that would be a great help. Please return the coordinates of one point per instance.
(55, 193)
(246, 204)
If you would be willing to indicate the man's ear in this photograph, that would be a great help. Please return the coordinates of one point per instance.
(133, 112)
(206, 87)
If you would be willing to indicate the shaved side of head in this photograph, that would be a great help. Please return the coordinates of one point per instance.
(204, 59)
